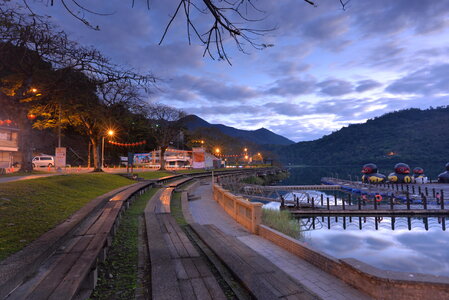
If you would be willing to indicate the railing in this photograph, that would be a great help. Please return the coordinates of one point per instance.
(246, 213)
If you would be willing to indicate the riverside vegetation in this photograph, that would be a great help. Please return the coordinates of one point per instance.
(282, 221)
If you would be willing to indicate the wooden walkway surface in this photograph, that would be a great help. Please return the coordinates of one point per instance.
(177, 269)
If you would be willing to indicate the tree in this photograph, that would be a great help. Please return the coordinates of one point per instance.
(35, 56)
(166, 123)
(20, 70)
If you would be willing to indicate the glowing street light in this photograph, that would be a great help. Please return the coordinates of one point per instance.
(217, 151)
(110, 133)
(246, 149)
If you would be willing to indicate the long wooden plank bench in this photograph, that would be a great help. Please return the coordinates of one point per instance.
(177, 269)
(17, 267)
(260, 276)
(72, 270)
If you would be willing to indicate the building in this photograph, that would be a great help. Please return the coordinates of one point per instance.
(174, 158)
(9, 144)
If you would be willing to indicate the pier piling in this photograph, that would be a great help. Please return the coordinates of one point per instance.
(408, 202)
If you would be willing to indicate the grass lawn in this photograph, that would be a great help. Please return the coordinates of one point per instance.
(117, 278)
(30, 208)
(154, 174)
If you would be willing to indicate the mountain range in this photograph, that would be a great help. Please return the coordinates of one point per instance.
(261, 136)
(411, 135)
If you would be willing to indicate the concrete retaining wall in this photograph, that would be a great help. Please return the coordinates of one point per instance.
(246, 213)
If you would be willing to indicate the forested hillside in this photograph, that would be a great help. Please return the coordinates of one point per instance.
(411, 135)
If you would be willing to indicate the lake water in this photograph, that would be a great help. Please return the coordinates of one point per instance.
(313, 174)
(413, 244)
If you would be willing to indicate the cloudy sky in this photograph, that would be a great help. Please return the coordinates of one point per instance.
(328, 67)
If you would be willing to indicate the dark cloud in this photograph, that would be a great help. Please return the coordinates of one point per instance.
(326, 27)
(288, 69)
(388, 17)
(426, 81)
(335, 87)
(224, 110)
(289, 109)
(208, 89)
(366, 85)
(387, 54)
(292, 86)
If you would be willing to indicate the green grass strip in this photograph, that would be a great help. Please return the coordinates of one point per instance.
(176, 209)
(117, 278)
(282, 221)
(29, 208)
(154, 174)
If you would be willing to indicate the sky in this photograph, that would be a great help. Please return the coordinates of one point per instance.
(328, 67)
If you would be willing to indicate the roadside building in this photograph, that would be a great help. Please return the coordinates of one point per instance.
(8, 143)
(174, 158)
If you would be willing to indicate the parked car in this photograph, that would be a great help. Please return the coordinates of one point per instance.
(43, 161)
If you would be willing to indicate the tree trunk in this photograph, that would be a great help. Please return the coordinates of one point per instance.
(25, 143)
(96, 151)
(88, 155)
(162, 158)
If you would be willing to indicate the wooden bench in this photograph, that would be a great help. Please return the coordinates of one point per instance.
(73, 269)
(260, 276)
(177, 269)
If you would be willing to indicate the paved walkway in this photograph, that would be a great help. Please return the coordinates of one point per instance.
(206, 211)
(26, 177)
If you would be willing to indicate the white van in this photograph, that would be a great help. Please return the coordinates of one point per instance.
(43, 161)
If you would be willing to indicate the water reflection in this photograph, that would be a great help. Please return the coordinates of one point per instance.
(394, 243)
(372, 223)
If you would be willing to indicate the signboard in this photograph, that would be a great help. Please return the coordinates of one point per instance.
(198, 158)
(60, 157)
(130, 158)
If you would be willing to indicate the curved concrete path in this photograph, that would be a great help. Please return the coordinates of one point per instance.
(205, 210)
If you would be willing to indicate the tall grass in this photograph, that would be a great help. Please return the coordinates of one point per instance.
(282, 221)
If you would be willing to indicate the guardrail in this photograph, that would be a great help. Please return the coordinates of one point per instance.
(248, 214)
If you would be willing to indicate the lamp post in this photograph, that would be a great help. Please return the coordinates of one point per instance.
(110, 133)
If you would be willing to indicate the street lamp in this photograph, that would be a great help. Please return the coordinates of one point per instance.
(217, 151)
(110, 133)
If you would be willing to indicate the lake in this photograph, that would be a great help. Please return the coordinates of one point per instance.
(410, 245)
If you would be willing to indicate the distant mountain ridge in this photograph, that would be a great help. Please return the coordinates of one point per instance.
(260, 136)
(410, 135)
